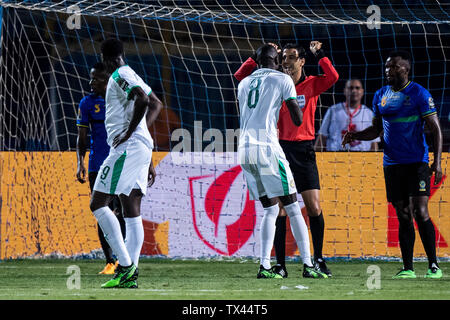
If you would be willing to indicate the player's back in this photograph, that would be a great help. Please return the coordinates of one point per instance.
(260, 98)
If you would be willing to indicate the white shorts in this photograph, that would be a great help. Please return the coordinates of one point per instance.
(266, 171)
(125, 168)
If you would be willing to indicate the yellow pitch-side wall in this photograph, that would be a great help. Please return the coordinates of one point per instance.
(356, 210)
(45, 210)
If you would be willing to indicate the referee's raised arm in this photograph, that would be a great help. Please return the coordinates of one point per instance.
(330, 76)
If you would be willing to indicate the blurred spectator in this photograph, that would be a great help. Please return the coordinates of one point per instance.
(351, 116)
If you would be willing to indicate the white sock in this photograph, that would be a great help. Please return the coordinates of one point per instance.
(268, 234)
(300, 231)
(135, 237)
(111, 229)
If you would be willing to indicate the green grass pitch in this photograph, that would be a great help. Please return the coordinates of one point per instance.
(166, 279)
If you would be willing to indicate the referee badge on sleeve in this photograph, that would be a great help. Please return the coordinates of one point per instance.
(301, 100)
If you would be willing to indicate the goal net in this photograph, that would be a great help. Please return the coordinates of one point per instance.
(188, 51)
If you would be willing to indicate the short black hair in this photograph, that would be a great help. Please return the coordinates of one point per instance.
(354, 79)
(99, 66)
(301, 51)
(112, 48)
(266, 53)
(405, 55)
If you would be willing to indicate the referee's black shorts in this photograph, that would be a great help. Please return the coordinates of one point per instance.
(407, 180)
(302, 161)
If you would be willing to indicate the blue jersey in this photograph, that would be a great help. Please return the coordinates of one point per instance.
(403, 114)
(91, 114)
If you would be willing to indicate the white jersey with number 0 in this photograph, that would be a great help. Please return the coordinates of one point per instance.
(262, 160)
(119, 105)
(260, 98)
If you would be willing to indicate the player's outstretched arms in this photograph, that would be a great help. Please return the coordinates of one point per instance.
(140, 107)
(369, 133)
(295, 111)
(154, 108)
(82, 141)
(432, 123)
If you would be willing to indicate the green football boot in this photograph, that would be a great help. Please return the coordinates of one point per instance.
(129, 284)
(405, 274)
(310, 272)
(434, 272)
(281, 270)
(122, 275)
(267, 274)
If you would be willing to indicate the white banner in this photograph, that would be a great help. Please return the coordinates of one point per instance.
(207, 207)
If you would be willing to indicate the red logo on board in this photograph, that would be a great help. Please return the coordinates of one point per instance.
(242, 223)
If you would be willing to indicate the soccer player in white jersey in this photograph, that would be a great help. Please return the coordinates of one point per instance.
(131, 107)
(263, 162)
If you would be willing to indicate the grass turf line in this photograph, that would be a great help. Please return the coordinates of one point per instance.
(216, 280)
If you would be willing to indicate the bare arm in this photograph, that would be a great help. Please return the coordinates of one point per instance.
(140, 107)
(369, 133)
(432, 123)
(154, 108)
(82, 142)
(374, 146)
(295, 111)
(151, 174)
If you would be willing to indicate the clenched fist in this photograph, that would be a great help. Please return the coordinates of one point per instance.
(315, 46)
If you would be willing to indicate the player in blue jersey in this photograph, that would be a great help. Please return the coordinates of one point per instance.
(91, 115)
(402, 108)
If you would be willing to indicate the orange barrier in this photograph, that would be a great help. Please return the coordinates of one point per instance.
(44, 209)
(357, 218)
